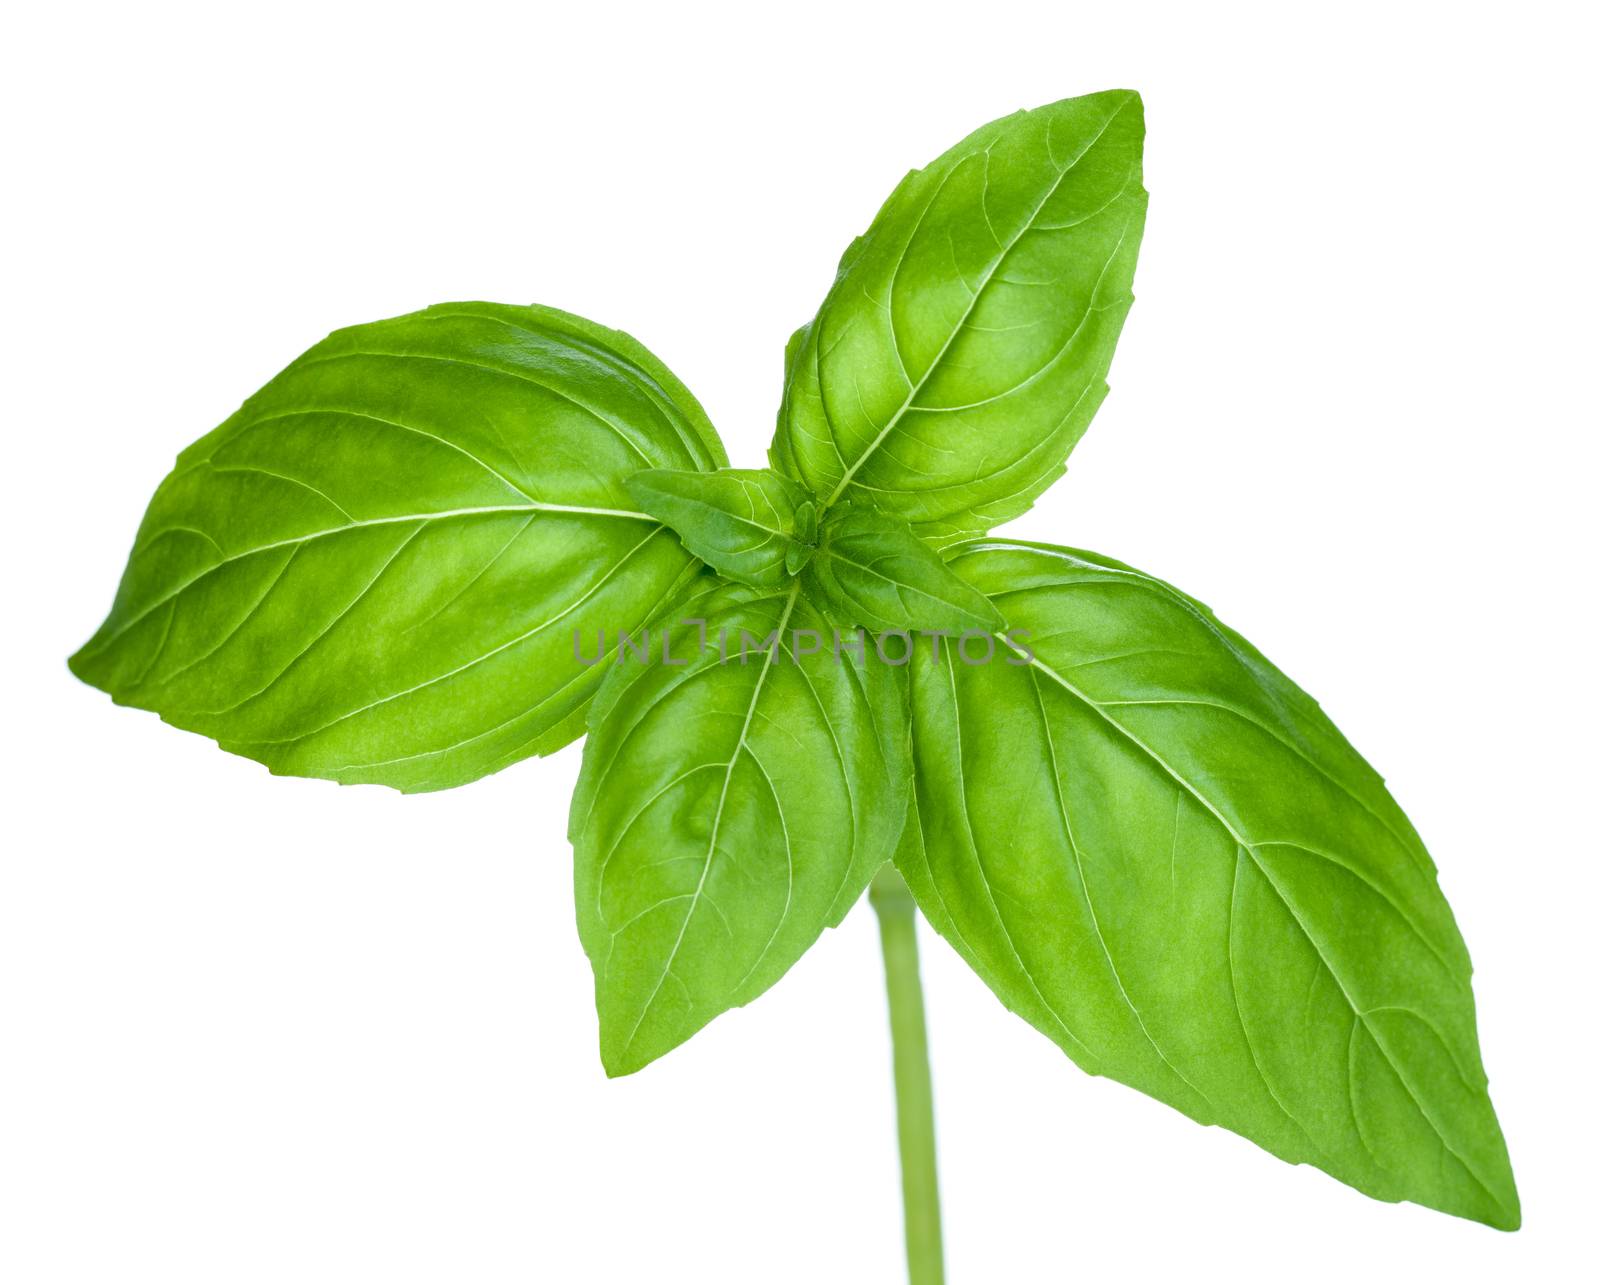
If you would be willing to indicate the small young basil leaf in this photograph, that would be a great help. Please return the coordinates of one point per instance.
(728, 810)
(963, 347)
(374, 570)
(870, 570)
(1158, 850)
(805, 520)
(742, 522)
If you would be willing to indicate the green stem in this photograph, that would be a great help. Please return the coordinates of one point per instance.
(913, 1085)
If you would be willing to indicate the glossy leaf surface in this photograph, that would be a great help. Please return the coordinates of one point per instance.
(746, 523)
(1157, 849)
(408, 558)
(373, 571)
(870, 570)
(964, 345)
(727, 812)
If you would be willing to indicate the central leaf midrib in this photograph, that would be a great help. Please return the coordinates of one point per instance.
(536, 506)
(716, 821)
(972, 303)
(734, 517)
(1245, 845)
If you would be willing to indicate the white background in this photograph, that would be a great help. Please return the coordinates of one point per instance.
(270, 1030)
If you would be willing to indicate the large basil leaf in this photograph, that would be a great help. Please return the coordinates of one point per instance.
(1157, 849)
(728, 811)
(964, 345)
(375, 569)
(870, 570)
(750, 524)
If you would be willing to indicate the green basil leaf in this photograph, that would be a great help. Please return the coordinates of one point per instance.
(1158, 850)
(870, 570)
(964, 345)
(797, 556)
(806, 522)
(728, 811)
(743, 522)
(375, 569)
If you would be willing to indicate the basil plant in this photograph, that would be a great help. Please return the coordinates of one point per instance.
(439, 544)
